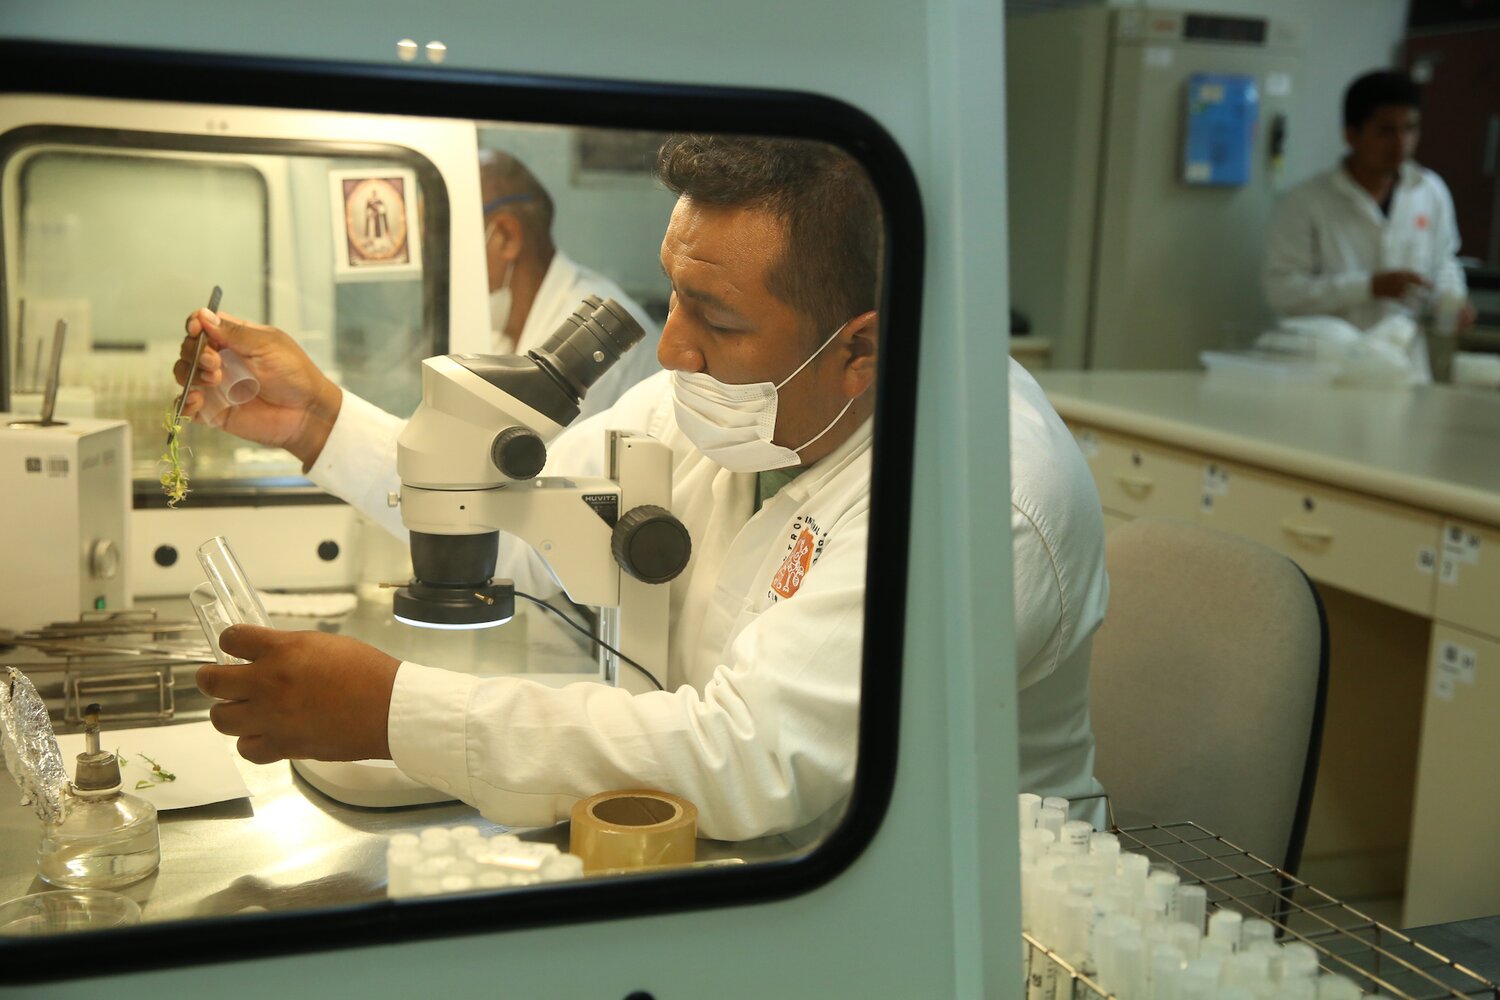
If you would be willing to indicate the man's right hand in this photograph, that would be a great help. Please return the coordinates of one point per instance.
(1396, 284)
(297, 403)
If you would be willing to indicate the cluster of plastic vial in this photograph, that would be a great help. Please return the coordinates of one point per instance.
(461, 859)
(1141, 933)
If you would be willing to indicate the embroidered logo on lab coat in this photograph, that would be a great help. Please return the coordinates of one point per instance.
(804, 546)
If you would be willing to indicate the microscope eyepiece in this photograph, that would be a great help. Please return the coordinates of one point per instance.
(553, 378)
(591, 340)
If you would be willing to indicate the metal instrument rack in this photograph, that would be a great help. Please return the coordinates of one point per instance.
(1382, 961)
(121, 659)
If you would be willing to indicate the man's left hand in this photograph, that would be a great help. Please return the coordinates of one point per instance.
(302, 695)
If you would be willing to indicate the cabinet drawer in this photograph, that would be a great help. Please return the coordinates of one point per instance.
(1468, 588)
(1455, 870)
(1139, 479)
(1365, 546)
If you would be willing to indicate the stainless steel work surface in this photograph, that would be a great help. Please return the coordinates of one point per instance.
(288, 846)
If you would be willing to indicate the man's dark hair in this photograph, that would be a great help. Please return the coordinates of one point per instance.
(500, 175)
(1376, 90)
(830, 270)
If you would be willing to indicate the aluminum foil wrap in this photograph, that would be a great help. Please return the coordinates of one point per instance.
(31, 752)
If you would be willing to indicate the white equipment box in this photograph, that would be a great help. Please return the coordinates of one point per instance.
(64, 533)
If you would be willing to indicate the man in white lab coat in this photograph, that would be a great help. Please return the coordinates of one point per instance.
(773, 256)
(534, 286)
(1375, 236)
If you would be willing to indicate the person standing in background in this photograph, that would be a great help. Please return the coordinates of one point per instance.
(1375, 236)
(534, 286)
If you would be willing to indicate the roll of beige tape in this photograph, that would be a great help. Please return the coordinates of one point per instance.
(634, 828)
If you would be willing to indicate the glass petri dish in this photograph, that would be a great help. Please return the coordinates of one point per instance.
(66, 910)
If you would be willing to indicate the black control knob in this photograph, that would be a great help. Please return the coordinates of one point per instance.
(650, 544)
(518, 452)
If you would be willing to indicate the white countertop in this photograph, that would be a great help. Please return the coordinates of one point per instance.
(1434, 447)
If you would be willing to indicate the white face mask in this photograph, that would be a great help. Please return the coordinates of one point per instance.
(734, 424)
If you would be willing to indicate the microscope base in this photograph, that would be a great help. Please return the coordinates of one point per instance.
(375, 784)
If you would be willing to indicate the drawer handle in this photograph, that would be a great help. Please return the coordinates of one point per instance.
(1307, 534)
(1139, 484)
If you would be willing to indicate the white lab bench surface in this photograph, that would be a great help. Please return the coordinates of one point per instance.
(288, 846)
(1389, 499)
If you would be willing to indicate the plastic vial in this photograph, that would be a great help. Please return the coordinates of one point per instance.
(104, 838)
(1297, 989)
(1217, 949)
(1130, 965)
(1052, 818)
(1029, 805)
(1104, 844)
(1167, 965)
(1190, 905)
(1075, 834)
(1297, 961)
(1200, 980)
(564, 866)
(1185, 939)
(1252, 932)
(1224, 926)
(1161, 887)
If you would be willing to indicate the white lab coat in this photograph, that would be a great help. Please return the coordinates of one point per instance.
(759, 720)
(1328, 238)
(1057, 535)
(758, 724)
(563, 287)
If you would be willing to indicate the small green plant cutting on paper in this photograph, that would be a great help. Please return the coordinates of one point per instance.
(161, 776)
(174, 478)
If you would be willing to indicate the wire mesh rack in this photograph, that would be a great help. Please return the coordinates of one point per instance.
(125, 660)
(1381, 960)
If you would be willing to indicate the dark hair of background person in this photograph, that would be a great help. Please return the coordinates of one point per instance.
(830, 268)
(502, 175)
(1377, 90)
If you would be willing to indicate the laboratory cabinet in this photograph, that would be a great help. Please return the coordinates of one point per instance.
(1468, 574)
(1455, 815)
(1355, 542)
(1391, 504)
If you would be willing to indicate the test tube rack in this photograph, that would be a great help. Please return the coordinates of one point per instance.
(1382, 961)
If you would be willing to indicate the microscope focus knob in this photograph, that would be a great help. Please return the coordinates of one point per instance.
(650, 544)
(518, 452)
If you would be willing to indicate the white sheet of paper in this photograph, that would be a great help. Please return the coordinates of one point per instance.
(197, 753)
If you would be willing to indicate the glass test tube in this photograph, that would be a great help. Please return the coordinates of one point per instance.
(234, 601)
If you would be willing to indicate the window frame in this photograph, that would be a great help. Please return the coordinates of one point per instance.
(34, 141)
(483, 96)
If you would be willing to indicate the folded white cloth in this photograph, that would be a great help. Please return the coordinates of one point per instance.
(324, 604)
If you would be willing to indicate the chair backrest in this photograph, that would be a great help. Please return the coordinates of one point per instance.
(1207, 686)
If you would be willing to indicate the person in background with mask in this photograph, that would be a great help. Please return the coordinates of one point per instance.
(1376, 235)
(534, 286)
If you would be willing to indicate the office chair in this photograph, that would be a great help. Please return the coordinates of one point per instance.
(1207, 686)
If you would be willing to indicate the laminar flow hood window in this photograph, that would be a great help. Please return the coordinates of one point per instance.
(613, 388)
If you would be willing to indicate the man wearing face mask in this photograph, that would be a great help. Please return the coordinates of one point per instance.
(534, 286)
(771, 350)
